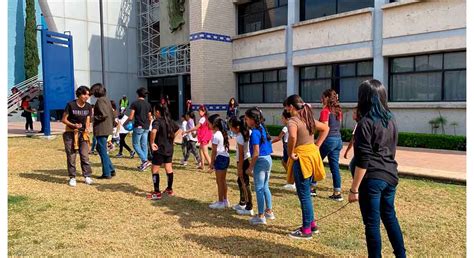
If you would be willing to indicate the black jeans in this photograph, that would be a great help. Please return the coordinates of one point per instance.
(190, 148)
(244, 188)
(123, 143)
(29, 121)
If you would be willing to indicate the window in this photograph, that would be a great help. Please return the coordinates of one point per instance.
(311, 9)
(262, 86)
(344, 78)
(262, 14)
(432, 77)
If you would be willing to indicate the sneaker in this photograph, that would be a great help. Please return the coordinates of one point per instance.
(183, 163)
(153, 196)
(169, 192)
(88, 180)
(132, 154)
(214, 205)
(245, 212)
(256, 220)
(298, 234)
(119, 155)
(226, 203)
(270, 216)
(290, 187)
(336, 197)
(315, 230)
(313, 192)
(72, 182)
(145, 165)
(238, 207)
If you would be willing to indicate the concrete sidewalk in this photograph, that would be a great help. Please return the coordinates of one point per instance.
(427, 163)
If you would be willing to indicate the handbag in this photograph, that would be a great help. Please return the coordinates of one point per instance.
(23, 114)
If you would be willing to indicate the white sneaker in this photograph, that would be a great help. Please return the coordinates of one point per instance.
(72, 182)
(238, 207)
(290, 187)
(270, 216)
(222, 205)
(214, 205)
(183, 163)
(226, 203)
(88, 180)
(245, 212)
(256, 220)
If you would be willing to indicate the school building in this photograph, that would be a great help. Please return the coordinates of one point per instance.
(262, 51)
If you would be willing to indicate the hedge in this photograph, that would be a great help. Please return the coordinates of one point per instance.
(414, 140)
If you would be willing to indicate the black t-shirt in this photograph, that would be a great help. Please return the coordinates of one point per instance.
(165, 144)
(77, 114)
(142, 108)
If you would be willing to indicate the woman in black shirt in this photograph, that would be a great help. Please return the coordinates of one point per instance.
(376, 175)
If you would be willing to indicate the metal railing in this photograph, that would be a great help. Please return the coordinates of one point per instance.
(30, 87)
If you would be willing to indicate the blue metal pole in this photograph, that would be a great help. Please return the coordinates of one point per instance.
(47, 119)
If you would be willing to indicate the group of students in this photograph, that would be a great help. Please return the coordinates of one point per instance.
(374, 168)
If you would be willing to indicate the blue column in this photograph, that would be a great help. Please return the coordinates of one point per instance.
(292, 72)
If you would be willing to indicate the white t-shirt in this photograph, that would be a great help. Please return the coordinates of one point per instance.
(202, 120)
(218, 139)
(192, 135)
(285, 136)
(240, 140)
(121, 121)
(183, 128)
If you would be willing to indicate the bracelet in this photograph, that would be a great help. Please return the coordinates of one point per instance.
(352, 192)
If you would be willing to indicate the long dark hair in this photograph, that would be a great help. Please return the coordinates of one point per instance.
(165, 115)
(304, 111)
(221, 125)
(240, 123)
(235, 103)
(192, 116)
(256, 115)
(333, 103)
(373, 102)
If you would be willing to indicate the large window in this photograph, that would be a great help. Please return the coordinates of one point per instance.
(344, 78)
(262, 14)
(433, 77)
(262, 86)
(311, 9)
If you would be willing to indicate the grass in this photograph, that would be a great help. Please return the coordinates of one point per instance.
(47, 217)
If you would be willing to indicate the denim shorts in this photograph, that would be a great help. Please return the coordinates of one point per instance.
(221, 163)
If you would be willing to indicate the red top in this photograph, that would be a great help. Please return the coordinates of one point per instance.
(25, 104)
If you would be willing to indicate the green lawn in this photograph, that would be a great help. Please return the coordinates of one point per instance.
(47, 217)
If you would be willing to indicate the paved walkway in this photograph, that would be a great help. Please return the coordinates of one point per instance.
(435, 164)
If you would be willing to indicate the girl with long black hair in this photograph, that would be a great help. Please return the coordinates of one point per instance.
(162, 136)
(376, 175)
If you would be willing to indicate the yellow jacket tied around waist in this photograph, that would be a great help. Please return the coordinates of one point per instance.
(310, 162)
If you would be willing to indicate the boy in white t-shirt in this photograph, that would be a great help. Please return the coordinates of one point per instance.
(184, 139)
(283, 136)
(121, 119)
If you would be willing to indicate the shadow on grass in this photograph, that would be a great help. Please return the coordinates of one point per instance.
(245, 246)
(56, 176)
(121, 187)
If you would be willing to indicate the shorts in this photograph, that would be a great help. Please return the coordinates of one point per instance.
(221, 163)
(159, 159)
(285, 152)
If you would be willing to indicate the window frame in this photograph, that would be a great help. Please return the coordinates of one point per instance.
(336, 2)
(335, 76)
(263, 82)
(442, 71)
(240, 25)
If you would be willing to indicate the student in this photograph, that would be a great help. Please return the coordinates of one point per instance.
(184, 138)
(242, 155)
(103, 125)
(27, 114)
(140, 113)
(376, 175)
(355, 117)
(305, 164)
(77, 119)
(332, 146)
(191, 139)
(220, 159)
(162, 136)
(121, 119)
(283, 136)
(260, 165)
(204, 135)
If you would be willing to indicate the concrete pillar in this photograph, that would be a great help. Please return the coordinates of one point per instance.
(181, 99)
(380, 65)
(292, 80)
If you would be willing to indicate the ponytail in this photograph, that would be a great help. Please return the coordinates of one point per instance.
(304, 110)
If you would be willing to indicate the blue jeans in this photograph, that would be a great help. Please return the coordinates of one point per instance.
(261, 176)
(376, 201)
(94, 143)
(331, 148)
(303, 188)
(107, 166)
(140, 143)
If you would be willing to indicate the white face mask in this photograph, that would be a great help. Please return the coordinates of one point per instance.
(92, 100)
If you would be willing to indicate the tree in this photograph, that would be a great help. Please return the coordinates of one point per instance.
(31, 48)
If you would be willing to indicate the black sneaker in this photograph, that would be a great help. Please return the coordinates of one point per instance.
(313, 192)
(336, 197)
(298, 234)
(315, 230)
